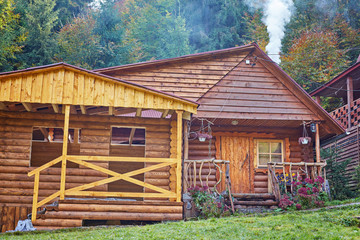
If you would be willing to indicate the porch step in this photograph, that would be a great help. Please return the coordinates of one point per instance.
(256, 196)
(72, 212)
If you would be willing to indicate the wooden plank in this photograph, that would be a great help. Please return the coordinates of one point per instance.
(58, 86)
(122, 159)
(138, 112)
(165, 113)
(47, 88)
(89, 90)
(111, 110)
(15, 94)
(35, 196)
(68, 87)
(37, 84)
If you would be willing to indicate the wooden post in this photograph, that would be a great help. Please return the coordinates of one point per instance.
(186, 155)
(64, 152)
(317, 143)
(178, 155)
(35, 196)
(350, 97)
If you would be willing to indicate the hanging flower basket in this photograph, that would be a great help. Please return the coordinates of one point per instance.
(203, 136)
(304, 140)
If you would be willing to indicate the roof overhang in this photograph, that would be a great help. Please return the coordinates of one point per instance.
(62, 83)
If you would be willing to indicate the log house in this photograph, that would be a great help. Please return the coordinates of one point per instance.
(108, 144)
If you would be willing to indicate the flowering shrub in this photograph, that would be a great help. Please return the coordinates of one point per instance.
(208, 203)
(307, 194)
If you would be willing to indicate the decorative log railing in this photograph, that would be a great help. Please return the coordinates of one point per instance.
(341, 114)
(114, 176)
(293, 171)
(192, 172)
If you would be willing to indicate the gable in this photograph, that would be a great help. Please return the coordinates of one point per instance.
(189, 79)
(252, 92)
(66, 84)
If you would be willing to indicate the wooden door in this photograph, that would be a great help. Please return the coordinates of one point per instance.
(237, 150)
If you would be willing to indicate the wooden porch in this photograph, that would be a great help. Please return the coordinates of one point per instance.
(84, 169)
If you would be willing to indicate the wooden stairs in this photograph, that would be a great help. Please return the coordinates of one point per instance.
(72, 212)
(254, 202)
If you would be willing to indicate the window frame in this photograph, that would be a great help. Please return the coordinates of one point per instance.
(258, 141)
(128, 144)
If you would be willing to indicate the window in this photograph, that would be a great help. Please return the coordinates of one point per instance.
(43, 134)
(269, 151)
(128, 136)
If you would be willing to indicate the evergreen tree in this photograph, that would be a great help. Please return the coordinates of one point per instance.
(40, 44)
(11, 36)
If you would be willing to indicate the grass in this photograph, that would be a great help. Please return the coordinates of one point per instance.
(325, 224)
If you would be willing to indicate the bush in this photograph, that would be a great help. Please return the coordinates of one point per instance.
(208, 202)
(336, 175)
(307, 194)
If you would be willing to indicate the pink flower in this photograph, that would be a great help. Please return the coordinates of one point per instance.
(298, 206)
(303, 190)
(315, 190)
(308, 180)
(320, 180)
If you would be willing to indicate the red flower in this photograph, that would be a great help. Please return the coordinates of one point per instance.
(315, 190)
(303, 190)
(298, 206)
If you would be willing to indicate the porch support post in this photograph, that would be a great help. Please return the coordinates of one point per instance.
(64, 152)
(178, 155)
(317, 143)
(350, 97)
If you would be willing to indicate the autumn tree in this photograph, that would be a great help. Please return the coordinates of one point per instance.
(256, 30)
(78, 44)
(314, 58)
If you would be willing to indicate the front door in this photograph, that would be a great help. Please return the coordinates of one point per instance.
(237, 150)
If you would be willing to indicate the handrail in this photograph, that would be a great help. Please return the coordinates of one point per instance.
(46, 165)
(114, 176)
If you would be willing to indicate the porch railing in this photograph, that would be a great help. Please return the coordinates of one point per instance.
(113, 176)
(287, 172)
(341, 114)
(194, 174)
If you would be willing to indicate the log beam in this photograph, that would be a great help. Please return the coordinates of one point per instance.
(138, 112)
(111, 110)
(165, 113)
(56, 108)
(27, 106)
(131, 137)
(83, 109)
(45, 133)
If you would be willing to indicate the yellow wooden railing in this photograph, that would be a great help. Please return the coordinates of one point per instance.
(114, 176)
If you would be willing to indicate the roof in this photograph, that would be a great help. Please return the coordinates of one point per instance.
(331, 88)
(63, 83)
(194, 76)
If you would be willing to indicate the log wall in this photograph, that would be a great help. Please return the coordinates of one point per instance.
(16, 188)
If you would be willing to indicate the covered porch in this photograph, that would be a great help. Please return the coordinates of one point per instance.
(118, 146)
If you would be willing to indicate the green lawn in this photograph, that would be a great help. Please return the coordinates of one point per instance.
(325, 224)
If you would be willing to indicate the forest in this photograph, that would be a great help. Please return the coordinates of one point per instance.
(321, 37)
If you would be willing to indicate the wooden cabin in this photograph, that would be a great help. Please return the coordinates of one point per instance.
(253, 110)
(83, 146)
(346, 86)
(111, 144)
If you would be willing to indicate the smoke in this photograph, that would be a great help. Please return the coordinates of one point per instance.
(277, 14)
